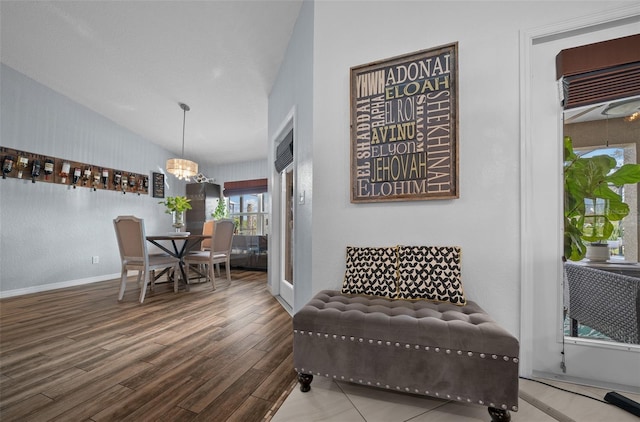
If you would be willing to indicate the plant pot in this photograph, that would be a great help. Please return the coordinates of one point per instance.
(178, 220)
(598, 252)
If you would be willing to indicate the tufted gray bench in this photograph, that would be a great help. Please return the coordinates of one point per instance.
(419, 347)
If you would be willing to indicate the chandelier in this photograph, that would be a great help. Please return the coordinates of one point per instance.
(179, 167)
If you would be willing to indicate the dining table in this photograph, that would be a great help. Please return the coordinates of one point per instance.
(177, 244)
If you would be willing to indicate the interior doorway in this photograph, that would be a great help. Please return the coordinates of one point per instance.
(282, 265)
(605, 364)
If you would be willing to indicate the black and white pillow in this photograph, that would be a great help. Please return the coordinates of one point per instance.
(430, 272)
(371, 271)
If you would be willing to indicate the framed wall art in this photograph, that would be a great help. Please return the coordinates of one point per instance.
(404, 127)
(158, 185)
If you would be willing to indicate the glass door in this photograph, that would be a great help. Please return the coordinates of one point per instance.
(287, 234)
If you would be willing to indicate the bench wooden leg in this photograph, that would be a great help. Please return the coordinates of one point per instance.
(499, 415)
(305, 382)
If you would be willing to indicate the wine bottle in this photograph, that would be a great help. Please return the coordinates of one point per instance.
(105, 177)
(64, 172)
(35, 170)
(48, 168)
(7, 165)
(86, 176)
(117, 178)
(96, 180)
(76, 176)
(23, 162)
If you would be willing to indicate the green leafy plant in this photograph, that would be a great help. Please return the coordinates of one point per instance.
(587, 187)
(176, 203)
(221, 210)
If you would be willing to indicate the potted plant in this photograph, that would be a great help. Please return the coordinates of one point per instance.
(221, 210)
(590, 204)
(176, 206)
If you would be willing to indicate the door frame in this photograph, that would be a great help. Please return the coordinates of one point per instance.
(541, 337)
(284, 295)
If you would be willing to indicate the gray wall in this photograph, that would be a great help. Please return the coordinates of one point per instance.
(50, 232)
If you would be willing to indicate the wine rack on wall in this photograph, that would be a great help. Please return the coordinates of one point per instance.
(39, 168)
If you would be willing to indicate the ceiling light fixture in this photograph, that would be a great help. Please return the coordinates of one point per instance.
(622, 108)
(179, 167)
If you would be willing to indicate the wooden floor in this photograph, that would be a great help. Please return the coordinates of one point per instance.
(78, 354)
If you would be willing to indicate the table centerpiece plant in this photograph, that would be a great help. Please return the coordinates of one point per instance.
(590, 204)
(176, 206)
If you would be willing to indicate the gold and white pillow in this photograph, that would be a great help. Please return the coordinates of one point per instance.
(371, 271)
(430, 272)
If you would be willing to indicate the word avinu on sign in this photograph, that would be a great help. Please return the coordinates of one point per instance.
(403, 128)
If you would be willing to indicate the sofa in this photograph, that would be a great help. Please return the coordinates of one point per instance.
(401, 322)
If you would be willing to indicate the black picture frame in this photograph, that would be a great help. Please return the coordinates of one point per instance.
(404, 127)
(158, 185)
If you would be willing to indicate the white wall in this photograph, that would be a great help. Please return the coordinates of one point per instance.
(50, 231)
(291, 100)
(245, 170)
(485, 220)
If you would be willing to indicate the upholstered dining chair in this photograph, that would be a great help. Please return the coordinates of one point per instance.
(207, 230)
(135, 256)
(220, 251)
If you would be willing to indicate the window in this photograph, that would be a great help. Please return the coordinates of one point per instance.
(623, 243)
(249, 211)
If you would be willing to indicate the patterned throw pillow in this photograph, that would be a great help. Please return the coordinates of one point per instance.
(371, 271)
(430, 272)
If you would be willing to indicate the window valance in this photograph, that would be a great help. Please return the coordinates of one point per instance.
(245, 187)
(284, 152)
(599, 72)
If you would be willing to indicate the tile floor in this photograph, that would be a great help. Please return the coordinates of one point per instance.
(334, 401)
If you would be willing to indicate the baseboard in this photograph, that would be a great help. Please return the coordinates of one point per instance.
(583, 381)
(284, 305)
(55, 286)
(543, 407)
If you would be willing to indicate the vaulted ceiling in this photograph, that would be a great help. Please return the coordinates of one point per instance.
(135, 61)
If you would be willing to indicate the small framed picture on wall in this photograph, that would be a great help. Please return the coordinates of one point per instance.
(158, 185)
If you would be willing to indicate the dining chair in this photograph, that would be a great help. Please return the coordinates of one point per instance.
(207, 230)
(220, 251)
(135, 256)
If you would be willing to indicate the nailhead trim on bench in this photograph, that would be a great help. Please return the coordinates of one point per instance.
(406, 346)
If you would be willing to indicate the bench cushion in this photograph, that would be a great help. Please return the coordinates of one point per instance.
(420, 347)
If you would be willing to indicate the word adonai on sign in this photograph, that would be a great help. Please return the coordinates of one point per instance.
(404, 139)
